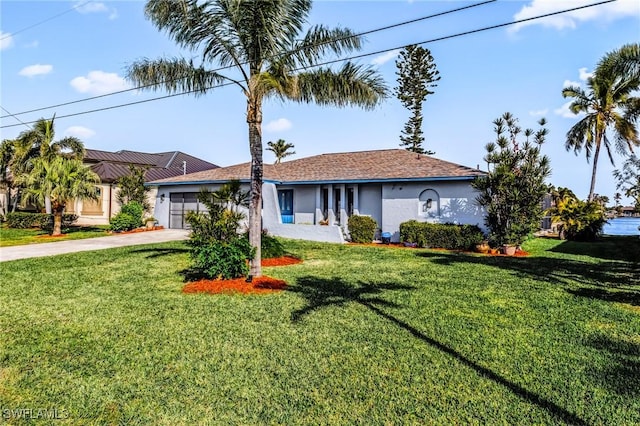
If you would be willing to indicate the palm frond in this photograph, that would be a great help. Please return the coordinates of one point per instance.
(174, 75)
(352, 85)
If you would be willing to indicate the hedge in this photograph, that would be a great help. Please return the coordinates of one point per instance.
(437, 235)
(24, 220)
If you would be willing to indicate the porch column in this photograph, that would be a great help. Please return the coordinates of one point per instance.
(356, 204)
(331, 215)
(343, 205)
(319, 216)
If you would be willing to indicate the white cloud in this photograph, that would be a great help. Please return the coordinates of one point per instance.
(95, 7)
(37, 69)
(79, 132)
(539, 113)
(385, 57)
(6, 40)
(565, 112)
(603, 13)
(584, 75)
(568, 83)
(278, 125)
(99, 83)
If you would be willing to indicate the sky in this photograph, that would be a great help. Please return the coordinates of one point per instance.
(53, 52)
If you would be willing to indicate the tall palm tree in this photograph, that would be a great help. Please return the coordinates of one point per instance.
(608, 105)
(280, 149)
(58, 179)
(6, 184)
(38, 142)
(262, 49)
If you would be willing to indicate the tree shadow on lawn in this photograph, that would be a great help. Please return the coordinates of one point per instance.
(611, 281)
(320, 293)
(607, 248)
(160, 252)
(622, 374)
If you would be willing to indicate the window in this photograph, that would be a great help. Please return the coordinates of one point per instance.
(93, 207)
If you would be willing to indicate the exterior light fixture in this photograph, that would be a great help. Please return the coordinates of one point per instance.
(162, 198)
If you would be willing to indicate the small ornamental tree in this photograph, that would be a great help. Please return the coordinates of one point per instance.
(578, 220)
(131, 187)
(417, 74)
(513, 189)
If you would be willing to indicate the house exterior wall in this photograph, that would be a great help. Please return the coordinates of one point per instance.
(89, 215)
(455, 203)
(389, 204)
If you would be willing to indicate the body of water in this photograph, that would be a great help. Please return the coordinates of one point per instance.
(622, 226)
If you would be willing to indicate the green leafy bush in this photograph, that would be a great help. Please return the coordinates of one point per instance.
(25, 220)
(216, 248)
(362, 228)
(271, 247)
(129, 217)
(438, 235)
(219, 259)
(579, 220)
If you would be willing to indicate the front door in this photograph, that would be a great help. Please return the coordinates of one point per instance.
(285, 199)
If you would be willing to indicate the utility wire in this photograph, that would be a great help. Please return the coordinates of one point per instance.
(344, 59)
(11, 115)
(46, 20)
(399, 24)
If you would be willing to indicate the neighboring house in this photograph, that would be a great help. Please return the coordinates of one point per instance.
(112, 165)
(300, 196)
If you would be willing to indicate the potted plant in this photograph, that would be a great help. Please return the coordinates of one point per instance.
(150, 222)
(483, 247)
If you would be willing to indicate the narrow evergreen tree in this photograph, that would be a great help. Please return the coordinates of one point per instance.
(417, 74)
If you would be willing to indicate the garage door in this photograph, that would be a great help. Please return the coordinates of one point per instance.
(180, 204)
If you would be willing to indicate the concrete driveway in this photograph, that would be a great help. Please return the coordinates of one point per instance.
(99, 243)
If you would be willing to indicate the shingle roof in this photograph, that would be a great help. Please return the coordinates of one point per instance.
(111, 165)
(379, 165)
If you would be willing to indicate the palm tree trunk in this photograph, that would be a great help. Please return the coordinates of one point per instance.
(57, 221)
(254, 119)
(595, 166)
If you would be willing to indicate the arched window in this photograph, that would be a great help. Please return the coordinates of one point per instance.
(429, 203)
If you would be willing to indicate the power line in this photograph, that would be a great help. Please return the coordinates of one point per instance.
(46, 20)
(348, 58)
(399, 24)
(11, 115)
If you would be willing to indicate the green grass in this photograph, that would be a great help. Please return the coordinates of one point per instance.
(365, 335)
(15, 237)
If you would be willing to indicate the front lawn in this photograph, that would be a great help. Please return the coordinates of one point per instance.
(15, 237)
(368, 335)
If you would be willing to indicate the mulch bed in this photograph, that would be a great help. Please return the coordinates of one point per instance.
(519, 253)
(260, 285)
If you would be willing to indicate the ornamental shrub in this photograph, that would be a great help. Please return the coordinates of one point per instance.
(217, 248)
(438, 235)
(271, 247)
(26, 220)
(362, 228)
(129, 217)
(579, 220)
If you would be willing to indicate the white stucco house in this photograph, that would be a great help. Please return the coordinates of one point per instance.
(312, 198)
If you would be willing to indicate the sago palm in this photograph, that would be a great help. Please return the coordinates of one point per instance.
(261, 47)
(280, 149)
(59, 179)
(609, 106)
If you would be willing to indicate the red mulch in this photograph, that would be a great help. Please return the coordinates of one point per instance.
(259, 285)
(143, 229)
(281, 261)
(519, 253)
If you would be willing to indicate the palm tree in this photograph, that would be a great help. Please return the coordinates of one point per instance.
(280, 149)
(6, 155)
(38, 142)
(608, 106)
(262, 50)
(58, 179)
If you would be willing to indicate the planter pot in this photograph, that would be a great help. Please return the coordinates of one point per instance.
(483, 248)
(150, 224)
(509, 250)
